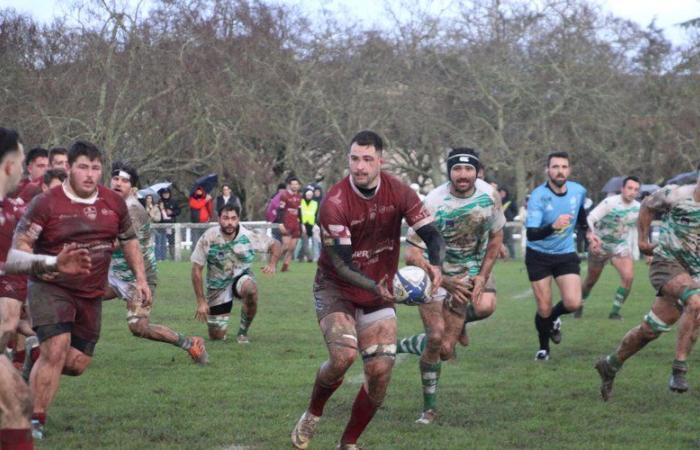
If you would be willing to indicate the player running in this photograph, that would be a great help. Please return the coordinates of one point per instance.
(228, 252)
(288, 218)
(675, 274)
(66, 310)
(15, 397)
(360, 221)
(122, 279)
(611, 222)
(554, 210)
(469, 217)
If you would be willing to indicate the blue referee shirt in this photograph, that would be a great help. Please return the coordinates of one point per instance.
(545, 206)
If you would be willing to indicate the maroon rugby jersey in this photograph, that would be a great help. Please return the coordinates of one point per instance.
(290, 202)
(372, 226)
(55, 220)
(12, 286)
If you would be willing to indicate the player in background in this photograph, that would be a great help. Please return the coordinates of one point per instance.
(611, 221)
(58, 159)
(122, 280)
(360, 220)
(288, 219)
(554, 210)
(65, 310)
(15, 397)
(228, 251)
(470, 219)
(675, 274)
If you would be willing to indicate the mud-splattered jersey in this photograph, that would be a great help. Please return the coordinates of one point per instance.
(142, 227)
(225, 260)
(465, 224)
(372, 226)
(57, 218)
(679, 236)
(11, 210)
(612, 220)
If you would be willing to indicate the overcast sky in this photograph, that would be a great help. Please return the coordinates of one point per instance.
(667, 13)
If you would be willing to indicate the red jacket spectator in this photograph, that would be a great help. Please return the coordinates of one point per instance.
(201, 206)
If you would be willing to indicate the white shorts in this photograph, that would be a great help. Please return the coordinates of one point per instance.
(221, 296)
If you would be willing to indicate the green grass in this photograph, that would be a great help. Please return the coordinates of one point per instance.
(140, 394)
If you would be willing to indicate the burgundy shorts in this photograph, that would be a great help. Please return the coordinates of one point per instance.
(293, 231)
(55, 310)
(14, 286)
(328, 299)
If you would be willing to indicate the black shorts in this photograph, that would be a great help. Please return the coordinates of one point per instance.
(542, 265)
(223, 308)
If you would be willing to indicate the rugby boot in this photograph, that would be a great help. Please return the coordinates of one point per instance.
(607, 376)
(678, 382)
(427, 417)
(542, 355)
(242, 339)
(304, 430)
(37, 430)
(285, 267)
(348, 447)
(198, 352)
(614, 316)
(555, 335)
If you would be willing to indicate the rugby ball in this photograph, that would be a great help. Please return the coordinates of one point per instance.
(412, 286)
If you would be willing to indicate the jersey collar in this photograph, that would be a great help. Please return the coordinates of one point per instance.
(359, 194)
(72, 196)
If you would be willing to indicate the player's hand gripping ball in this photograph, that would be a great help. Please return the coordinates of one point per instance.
(412, 286)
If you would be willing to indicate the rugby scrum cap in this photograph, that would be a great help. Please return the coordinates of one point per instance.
(463, 156)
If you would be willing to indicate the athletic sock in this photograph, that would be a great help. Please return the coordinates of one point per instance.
(614, 362)
(16, 439)
(362, 412)
(559, 310)
(620, 297)
(39, 417)
(430, 375)
(544, 329)
(680, 365)
(320, 395)
(413, 344)
(184, 342)
(245, 324)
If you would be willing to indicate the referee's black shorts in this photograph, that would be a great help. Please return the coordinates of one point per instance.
(542, 265)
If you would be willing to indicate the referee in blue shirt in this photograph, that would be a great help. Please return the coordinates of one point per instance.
(554, 210)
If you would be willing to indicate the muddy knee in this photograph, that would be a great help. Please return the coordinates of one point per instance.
(652, 327)
(138, 327)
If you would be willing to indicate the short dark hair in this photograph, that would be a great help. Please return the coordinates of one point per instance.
(9, 142)
(229, 207)
(225, 185)
(119, 166)
(631, 178)
(367, 138)
(52, 174)
(57, 151)
(557, 154)
(83, 148)
(292, 178)
(36, 152)
(281, 186)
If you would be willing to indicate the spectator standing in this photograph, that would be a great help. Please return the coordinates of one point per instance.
(227, 197)
(169, 210)
(308, 211)
(201, 211)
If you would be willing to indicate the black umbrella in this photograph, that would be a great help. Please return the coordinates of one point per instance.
(613, 185)
(683, 178)
(207, 182)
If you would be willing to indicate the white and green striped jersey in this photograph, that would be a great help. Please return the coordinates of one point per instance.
(612, 221)
(225, 260)
(465, 224)
(679, 236)
(142, 226)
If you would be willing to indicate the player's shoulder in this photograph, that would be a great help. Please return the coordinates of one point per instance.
(393, 182)
(575, 188)
(335, 197)
(109, 196)
(540, 191)
(439, 193)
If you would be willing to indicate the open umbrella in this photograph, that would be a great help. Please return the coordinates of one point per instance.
(683, 178)
(153, 190)
(613, 185)
(207, 182)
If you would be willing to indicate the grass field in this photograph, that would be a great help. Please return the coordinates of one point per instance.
(140, 394)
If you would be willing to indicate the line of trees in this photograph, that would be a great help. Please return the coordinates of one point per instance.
(253, 90)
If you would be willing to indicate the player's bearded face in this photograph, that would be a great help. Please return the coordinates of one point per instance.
(228, 221)
(463, 177)
(558, 171)
(84, 176)
(365, 164)
(630, 191)
(120, 185)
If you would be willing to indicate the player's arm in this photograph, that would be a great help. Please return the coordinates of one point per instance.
(583, 226)
(275, 251)
(281, 210)
(435, 245)
(493, 249)
(341, 257)
(197, 284)
(646, 216)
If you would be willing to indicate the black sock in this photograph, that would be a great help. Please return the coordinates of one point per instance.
(559, 310)
(544, 328)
